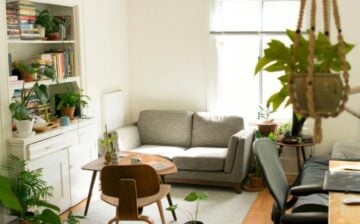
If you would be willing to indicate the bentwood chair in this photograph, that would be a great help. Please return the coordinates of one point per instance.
(131, 187)
(307, 206)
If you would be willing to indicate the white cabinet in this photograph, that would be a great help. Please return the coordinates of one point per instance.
(60, 154)
(79, 155)
(55, 170)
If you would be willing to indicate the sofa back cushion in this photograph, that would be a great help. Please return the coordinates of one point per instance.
(213, 130)
(165, 127)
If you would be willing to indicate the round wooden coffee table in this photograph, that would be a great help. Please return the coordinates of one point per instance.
(162, 166)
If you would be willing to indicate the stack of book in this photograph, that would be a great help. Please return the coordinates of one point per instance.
(63, 62)
(26, 15)
(13, 30)
(64, 28)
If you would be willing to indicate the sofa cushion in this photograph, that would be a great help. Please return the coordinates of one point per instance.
(213, 130)
(165, 127)
(165, 151)
(202, 159)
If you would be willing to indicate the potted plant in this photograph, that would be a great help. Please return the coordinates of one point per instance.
(69, 100)
(23, 192)
(265, 125)
(24, 71)
(109, 151)
(19, 112)
(293, 61)
(49, 24)
(191, 197)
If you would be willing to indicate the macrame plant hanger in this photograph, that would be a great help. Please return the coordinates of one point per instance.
(313, 85)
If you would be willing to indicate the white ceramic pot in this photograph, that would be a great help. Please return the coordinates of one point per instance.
(24, 128)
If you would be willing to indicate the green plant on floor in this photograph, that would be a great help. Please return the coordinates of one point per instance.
(73, 219)
(24, 193)
(191, 197)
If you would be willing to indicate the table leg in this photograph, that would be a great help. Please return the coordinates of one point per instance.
(303, 153)
(90, 192)
(298, 159)
(168, 196)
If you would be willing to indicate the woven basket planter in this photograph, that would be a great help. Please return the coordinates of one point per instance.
(327, 93)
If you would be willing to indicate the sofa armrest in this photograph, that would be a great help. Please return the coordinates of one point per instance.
(239, 152)
(127, 137)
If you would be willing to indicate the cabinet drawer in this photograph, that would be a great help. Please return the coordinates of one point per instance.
(50, 145)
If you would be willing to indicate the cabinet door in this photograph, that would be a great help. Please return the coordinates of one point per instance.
(79, 156)
(55, 170)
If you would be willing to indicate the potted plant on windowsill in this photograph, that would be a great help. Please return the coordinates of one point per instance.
(191, 197)
(70, 100)
(19, 112)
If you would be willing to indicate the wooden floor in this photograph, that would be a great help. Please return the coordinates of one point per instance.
(260, 210)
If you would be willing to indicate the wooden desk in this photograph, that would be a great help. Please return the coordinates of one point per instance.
(300, 147)
(339, 213)
(124, 159)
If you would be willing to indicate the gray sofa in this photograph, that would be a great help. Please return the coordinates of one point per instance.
(207, 149)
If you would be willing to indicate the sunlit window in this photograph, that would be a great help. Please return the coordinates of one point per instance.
(242, 29)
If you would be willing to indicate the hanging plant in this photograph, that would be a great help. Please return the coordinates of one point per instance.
(312, 80)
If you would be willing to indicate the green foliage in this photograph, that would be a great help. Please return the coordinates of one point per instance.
(107, 142)
(49, 22)
(191, 197)
(277, 58)
(19, 108)
(71, 98)
(73, 219)
(26, 189)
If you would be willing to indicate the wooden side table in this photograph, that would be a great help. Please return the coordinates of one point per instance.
(300, 148)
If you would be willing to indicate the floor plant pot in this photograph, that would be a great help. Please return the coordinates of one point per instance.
(194, 222)
(24, 128)
(327, 90)
(254, 183)
(68, 111)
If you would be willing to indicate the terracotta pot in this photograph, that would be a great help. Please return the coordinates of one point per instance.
(27, 77)
(68, 111)
(53, 36)
(254, 183)
(266, 128)
(328, 92)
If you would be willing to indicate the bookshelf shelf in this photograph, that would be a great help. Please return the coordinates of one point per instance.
(41, 41)
(50, 82)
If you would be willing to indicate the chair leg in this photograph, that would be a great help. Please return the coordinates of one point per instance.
(161, 211)
(146, 219)
(115, 219)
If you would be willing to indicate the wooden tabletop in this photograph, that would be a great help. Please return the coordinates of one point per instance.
(339, 213)
(303, 144)
(125, 159)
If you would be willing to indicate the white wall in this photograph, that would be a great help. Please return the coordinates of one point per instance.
(168, 43)
(346, 126)
(106, 51)
(169, 47)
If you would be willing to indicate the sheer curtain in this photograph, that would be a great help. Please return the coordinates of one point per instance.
(242, 29)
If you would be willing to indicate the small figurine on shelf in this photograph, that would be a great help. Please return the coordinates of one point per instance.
(110, 153)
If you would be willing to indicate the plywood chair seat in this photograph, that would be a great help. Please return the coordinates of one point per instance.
(141, 202)
(130, 187)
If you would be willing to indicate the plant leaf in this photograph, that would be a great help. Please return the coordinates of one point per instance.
(48, 216)
(172, 208)
(7, 196)
(191, 197)
(261, 64)
(203, 195)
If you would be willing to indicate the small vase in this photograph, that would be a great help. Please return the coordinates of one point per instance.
(107, 157)
(114, 158)
(24, 128)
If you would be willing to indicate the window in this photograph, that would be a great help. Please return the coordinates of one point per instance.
(242, 29)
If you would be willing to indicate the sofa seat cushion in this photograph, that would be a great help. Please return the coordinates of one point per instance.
(165, 151)
(212, 130)
(165, 127)
(202, 159)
